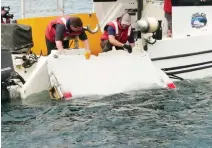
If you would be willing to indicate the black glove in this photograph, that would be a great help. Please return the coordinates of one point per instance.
(128, 47)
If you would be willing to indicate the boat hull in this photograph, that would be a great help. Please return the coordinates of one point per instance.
(188, 57)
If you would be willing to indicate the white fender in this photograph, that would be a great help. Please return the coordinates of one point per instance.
(148, 25)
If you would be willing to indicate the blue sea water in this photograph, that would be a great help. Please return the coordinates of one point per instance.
(155, 118)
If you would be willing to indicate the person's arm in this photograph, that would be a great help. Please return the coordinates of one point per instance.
(131, 39)
(59, 35)
(83, 37)
(112, 40)
(132, 44)
(86, 43)
(59, 45)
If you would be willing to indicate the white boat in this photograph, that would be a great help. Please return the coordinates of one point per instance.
(188, 53)
(108, 73)
(71, 75)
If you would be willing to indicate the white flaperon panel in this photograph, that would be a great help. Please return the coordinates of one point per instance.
(109, 73)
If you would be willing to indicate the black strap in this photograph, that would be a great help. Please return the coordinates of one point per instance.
(68, 23)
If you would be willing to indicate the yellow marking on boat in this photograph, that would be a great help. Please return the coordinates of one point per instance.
(39, 25)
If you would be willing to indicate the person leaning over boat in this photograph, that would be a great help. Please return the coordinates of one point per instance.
(168, 15)
(60, 30)
(117, 33)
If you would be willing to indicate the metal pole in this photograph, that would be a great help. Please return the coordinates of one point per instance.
(22, 9)
(62, 7)
(139, 15)
(140, 9)
(93, 7)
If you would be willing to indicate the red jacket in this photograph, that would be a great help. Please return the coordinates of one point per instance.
(122, 35)
(168, 6)
(51, 31)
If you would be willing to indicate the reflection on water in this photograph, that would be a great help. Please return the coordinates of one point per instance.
(150, 118)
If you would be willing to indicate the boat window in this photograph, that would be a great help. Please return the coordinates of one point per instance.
(191, 2)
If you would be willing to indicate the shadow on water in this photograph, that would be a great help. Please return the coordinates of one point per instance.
(150, 118)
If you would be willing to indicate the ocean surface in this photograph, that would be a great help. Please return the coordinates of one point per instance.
(156, 118)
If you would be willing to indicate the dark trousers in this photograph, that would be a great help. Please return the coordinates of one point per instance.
(52, 45)
(107, 46)
(168, 17)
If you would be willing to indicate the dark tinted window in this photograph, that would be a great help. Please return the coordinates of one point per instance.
(191, 2)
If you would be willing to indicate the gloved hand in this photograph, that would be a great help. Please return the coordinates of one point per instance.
(87, 54)
(128, 47)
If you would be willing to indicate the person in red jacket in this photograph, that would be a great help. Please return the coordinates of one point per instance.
(168, 15)
(60, 30)
(117, 33)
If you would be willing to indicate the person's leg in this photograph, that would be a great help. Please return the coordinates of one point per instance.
(106, 46)
(66, 44)
(168, 16)
(50, 45)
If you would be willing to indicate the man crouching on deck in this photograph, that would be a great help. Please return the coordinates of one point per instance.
(59, 30)
(117, 33)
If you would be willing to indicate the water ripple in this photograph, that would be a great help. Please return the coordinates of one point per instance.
(151, 118)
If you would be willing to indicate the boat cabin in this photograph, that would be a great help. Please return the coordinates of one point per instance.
(191, 17)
